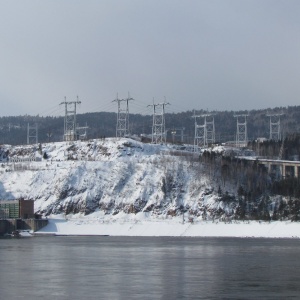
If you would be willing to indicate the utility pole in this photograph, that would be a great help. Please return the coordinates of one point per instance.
(241, 134)
(275, 130)
(32, 134)
(281, 150)
(70, 133)
(82, 131)
(122, 128)
(181, 129)
(159, 125)
(173, 132)
(205, 133)
(49, 135)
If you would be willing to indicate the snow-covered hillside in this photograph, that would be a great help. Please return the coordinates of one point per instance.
(111, 176)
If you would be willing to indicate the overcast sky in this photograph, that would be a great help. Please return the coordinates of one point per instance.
(199, 54)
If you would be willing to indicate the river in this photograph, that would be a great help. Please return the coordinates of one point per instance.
(92, 267)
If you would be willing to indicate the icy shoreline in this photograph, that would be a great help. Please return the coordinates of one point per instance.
(276, 229)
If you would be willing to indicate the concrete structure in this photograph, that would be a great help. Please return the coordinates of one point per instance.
(11, 225)
(287, 168)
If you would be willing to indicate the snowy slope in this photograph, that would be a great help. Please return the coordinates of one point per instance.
(125, 187)
(113, 176)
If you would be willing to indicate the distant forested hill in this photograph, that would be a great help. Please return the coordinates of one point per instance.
(13, 129)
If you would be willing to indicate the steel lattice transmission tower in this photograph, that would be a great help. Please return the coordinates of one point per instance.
(122, 128)
(241, 133)
(275, 129)
(159, 125)
(199, 139)
(205, 133)
(209, 121)
(32, 134)
(70, 132)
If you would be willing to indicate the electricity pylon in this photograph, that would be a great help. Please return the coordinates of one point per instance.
(32, 134)
(159, 125)
(122, 128)
(199, 138)
(205, 133)
(275, 130)
(241, 133)
(70, 133)
(210, 136)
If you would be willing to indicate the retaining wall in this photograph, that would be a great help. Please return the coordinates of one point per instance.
(10, 225)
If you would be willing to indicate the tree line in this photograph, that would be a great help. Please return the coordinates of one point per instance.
(13, 129)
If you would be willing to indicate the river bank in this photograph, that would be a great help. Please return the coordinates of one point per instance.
(276, 229)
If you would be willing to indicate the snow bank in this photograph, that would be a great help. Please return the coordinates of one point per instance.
(172, 228)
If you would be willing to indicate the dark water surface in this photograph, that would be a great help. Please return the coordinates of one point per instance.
(149, 268)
